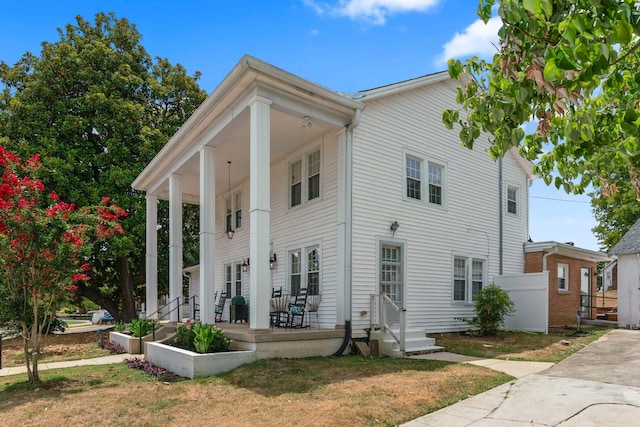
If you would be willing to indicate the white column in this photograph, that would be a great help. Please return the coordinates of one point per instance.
(151, 300)
(260, 212)
(207, 234)
(175, 245)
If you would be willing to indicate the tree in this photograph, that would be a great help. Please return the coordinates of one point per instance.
(570, 65)
(98, 108)
(44, 246)
(615, 213)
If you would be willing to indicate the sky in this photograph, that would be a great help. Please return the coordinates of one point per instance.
(345, 45)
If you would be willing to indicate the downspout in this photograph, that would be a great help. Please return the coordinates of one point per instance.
(544, 258)
(500, 215)
(348, 232)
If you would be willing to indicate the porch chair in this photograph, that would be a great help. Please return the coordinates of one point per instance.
(275, 311)
(297, 310)
(219, 307)
(313, 304)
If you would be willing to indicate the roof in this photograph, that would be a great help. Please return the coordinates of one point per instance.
(630, 242)
(566, 249)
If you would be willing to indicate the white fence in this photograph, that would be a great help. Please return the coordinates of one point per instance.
(530, 293)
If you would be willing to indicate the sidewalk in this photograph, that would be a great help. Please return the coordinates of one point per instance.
(105, 360)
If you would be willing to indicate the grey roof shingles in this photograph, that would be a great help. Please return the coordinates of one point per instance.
(630, 242)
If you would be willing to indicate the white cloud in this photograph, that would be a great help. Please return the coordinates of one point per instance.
(372, 11)
(314, 32)
(478, 39)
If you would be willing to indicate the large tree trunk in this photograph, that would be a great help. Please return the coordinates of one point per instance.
(126, 289)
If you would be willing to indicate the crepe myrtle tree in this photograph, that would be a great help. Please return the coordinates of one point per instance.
(44, 245)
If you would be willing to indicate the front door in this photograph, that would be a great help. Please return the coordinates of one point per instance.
(585, 292)
(391, 278)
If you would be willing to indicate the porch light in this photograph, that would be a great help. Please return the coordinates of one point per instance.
(306, 122)
(245, 265)
(273, 261)
(394, 227)
(229, 229)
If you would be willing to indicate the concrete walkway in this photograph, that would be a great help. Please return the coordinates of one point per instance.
(105, 360)
(599, 385)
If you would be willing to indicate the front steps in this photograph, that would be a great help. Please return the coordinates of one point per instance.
(416, 342)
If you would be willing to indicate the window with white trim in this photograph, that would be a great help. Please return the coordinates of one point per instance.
(413, 171)
(563, 277)
(391, 271)
(304, 270)
(227, 278)
(468, 278)
(512, 200)
(238, 208)
(435, 183)
(238, 280)
(305, 178)
(233, 212)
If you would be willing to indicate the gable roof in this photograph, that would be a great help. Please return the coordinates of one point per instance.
(630, 242)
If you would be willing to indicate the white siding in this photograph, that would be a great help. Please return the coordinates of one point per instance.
(308, 224)
(467, 224)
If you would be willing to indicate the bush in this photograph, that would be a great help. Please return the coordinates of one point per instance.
(237, 300)
(151, 369)
(492, 305)
(140, 327)
(202, 338)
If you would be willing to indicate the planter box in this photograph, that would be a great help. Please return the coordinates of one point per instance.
(194, 365)
(129, 343)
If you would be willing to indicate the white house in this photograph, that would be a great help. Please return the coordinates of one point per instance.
(628, 252)
(353, 194)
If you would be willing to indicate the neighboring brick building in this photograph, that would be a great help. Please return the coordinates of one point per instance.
(572, 278)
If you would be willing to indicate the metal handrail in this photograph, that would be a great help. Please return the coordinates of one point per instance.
(195, 307)
(384, 301)
(177, 307)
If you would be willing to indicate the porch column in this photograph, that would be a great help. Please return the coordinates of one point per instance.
(260, 211)
(175, 245)
(207, 234)
(151, 300)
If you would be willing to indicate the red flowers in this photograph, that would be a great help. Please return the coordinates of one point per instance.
(80, 276)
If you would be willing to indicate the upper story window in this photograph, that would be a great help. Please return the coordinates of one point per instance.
(305, 178)
(414, 178)
(563, 277)
(430, 189)
(512, 200)
(435, 184)
(468, 278)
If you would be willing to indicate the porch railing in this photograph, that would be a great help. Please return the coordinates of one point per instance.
(176, 300)
(194, 307)
(385, 304)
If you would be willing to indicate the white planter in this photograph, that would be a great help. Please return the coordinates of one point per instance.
(130, 344)
(190, 364)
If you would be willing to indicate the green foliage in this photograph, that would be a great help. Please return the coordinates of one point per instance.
(97, 107)
(492, 305)
(119, 326)
(201, 337)
(570, 65)
(237, 300)
(140, 327)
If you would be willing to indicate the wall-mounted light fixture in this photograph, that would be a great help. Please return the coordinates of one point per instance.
(273, 260)
(394, 226)
(229, 229)
(306, 122)
(245, 265)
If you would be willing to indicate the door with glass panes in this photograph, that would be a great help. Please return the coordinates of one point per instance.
(391, 278)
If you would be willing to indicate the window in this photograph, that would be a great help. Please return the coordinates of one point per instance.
(414, 183)
(512, 200)
(304, 178)
(238, 280)
(563, 277)
(227, 278)
(468, 278)
(310, 264)
(234, 211)
(435, 184)
(238, 209)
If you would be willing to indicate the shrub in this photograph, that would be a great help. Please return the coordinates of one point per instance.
(202, 338)
(140, 327)
(151, 369)
(184, 336)
(113, 347)
(119, 326)
(492, 305)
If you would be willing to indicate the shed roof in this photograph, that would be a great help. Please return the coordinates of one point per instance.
(630, 242)
(566, 249)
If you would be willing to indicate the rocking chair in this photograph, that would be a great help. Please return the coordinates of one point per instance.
(297, 310)
(219, 307)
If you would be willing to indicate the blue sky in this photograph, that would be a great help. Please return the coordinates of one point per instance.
(346, 45)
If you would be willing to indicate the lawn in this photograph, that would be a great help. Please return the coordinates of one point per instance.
(350, 390)
(555, 346)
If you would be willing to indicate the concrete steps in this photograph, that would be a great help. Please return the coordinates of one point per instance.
(416, 342)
